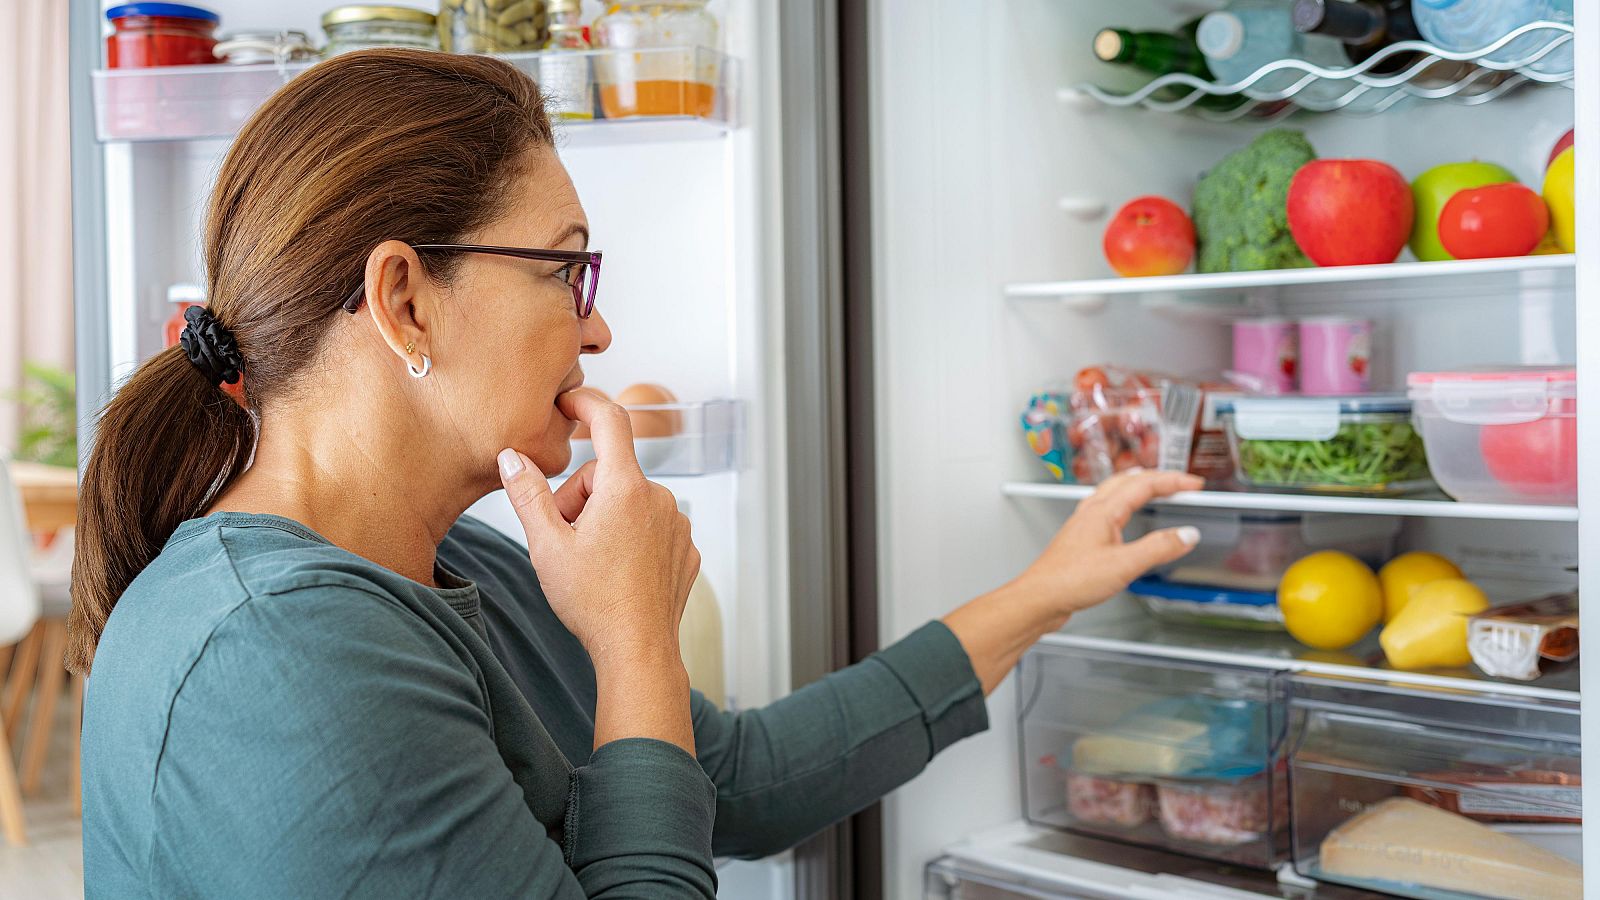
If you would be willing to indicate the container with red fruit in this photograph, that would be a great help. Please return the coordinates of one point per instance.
(1501, 435)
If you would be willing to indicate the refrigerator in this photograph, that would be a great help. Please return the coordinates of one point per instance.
(854, 271)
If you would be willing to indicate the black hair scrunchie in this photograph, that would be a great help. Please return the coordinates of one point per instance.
(210, 347)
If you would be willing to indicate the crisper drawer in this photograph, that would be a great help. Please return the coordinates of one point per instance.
(1424, 792)
(1164, 753)
(949, 879)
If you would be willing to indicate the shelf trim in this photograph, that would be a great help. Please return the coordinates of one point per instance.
(1305, 667)
(1377, 506)
(1246, 281)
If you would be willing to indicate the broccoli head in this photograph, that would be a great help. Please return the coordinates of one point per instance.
(1241, 219)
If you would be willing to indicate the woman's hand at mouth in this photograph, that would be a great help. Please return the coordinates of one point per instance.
(616, 561)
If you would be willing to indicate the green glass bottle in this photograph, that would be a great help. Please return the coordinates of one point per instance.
(1162, 53)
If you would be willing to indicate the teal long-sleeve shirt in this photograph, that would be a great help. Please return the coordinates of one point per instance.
(271, 716)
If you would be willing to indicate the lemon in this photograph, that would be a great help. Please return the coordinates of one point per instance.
(1330, 600)
(1431, 632)
(1405, 573)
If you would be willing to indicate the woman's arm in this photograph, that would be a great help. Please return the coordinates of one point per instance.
(837, 745)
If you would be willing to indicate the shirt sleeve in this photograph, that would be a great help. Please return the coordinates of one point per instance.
(834, 747)
(329, 744)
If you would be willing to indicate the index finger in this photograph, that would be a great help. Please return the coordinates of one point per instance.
(1124, 494)
(609, 429)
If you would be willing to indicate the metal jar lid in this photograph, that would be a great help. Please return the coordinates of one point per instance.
(362, 12)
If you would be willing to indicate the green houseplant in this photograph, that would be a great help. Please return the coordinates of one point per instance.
(49, 403)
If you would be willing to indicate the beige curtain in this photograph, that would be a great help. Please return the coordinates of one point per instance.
(35, 198)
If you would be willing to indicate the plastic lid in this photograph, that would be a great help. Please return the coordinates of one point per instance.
(169, 10)
(1548, 374)
(1220, 35)
(1162, 589)
(1296, 418)
(361, 12)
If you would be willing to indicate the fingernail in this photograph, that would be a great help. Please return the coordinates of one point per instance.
(1189, 534)
(510, 463)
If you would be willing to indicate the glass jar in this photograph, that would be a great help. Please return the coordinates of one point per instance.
(564, 66)
(160, 34)
(248, 48)
(363, 27)
(492, 26)
(676, 75)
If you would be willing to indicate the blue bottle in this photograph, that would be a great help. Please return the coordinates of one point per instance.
(1463, 25)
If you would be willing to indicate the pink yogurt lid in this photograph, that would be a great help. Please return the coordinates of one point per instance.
(1548, 374)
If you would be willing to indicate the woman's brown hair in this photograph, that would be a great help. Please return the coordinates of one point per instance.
(370, 146)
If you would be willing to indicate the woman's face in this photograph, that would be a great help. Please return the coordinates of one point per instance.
(511, 340)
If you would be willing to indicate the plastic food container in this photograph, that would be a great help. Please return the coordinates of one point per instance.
(364, 26)
(1359, 444)
(1502, 435)
(1250, 551)
(672, 80)
(160, 34)
(1199, 604)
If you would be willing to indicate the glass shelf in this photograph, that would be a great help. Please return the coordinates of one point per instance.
(1128, 629)
(1537, 58)
(179, 103)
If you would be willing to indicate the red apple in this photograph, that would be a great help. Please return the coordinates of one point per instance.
(1149, 236)
(1564, 143)
(1493, 220)
(1349, 212)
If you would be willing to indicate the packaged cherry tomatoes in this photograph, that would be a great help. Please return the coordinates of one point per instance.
(1111, 419)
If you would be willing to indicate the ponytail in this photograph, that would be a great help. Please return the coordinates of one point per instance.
(164, 446)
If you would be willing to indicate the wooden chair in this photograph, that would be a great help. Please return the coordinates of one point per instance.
(19, 612)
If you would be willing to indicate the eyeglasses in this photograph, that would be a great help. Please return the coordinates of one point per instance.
(584, 277)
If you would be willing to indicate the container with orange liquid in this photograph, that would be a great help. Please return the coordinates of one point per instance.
(674, 72)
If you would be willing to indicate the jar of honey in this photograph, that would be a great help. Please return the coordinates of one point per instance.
(160, 34)
(675, 71)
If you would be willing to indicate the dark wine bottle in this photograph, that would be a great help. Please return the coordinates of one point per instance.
(1364, 26)
(1162, 53)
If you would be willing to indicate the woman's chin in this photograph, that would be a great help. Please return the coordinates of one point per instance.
(553, 458)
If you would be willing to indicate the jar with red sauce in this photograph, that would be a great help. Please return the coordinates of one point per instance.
(160, 34)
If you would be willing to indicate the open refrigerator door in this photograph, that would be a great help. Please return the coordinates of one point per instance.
(1179, 742)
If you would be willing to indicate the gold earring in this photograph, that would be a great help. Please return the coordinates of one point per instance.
(411, 347)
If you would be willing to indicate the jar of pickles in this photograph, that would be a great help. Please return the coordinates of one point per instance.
(363, 27)
(492, 26)
(675, 72)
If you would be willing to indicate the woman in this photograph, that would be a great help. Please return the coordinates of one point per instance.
(312, 677)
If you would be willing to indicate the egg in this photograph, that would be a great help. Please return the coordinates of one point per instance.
(651, 423)
(581, 433)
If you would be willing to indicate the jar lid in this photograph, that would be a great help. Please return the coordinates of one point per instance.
(552, 7)
(362, 12)
(169, 10)
(1547, 374)
(1295, 418)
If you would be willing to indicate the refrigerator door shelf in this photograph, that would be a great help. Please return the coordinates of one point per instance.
(706, 440)
(177, 103)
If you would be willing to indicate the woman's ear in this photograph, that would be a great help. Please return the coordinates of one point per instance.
(396, 301)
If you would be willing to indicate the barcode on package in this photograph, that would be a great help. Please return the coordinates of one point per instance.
(1546, 800)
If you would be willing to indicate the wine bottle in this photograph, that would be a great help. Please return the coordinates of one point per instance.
(1161, 53)
(1363, 26)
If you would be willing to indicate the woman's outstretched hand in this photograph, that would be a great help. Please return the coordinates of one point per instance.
(615, 559)
(1086, 562)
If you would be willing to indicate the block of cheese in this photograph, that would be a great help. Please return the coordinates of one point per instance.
(1411, 843)
(1142, 745)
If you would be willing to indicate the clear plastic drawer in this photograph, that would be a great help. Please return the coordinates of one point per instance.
(1163, 753)
(1434, 793)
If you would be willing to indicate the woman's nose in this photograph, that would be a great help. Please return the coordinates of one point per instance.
(594, 331)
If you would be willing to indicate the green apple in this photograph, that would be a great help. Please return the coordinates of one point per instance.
(1434, 188)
